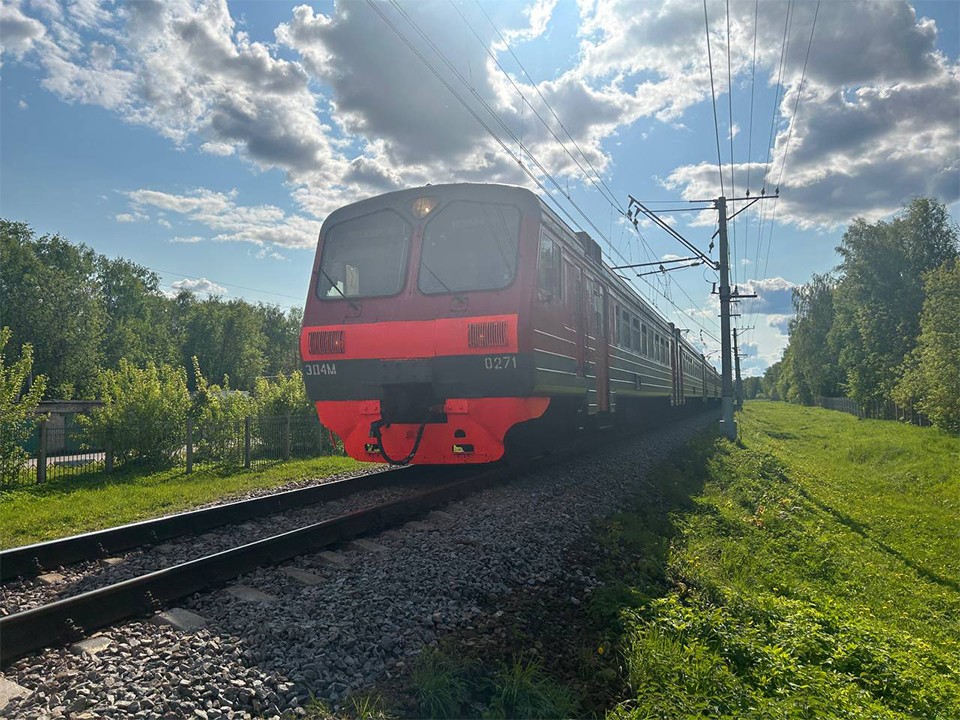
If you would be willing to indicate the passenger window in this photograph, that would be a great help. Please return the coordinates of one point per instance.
(549, 278)
(616, 326)
(643, 339)
(636, 335)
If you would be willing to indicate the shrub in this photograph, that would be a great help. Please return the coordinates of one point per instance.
(218, 413)
(17, 418)
(143, 414)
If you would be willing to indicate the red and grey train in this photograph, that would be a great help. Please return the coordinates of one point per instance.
(443, 318)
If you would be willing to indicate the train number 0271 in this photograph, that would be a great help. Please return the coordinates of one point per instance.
(320, 369)
(500, 362)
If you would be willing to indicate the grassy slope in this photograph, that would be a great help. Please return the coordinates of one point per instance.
(96, 501)
(813, 571)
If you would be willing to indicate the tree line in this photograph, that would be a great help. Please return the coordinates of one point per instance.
(885, 323)
(82, 313)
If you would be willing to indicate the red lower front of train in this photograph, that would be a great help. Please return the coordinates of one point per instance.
(473, 433)
(443, 391)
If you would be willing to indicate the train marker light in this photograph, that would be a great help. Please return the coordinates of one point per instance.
(424, 206)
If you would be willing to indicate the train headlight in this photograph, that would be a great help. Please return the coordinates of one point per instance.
(424, 206)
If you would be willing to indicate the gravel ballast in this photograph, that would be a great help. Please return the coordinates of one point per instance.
(28, 593)
(367, 617)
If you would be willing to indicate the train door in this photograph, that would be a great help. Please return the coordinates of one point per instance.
(679, 361)
(573, 309)
(602, 313)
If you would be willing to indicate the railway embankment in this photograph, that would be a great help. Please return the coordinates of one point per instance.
(810, 570)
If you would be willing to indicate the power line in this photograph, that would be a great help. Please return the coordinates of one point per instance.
(713, 94)
(793, 124)
(733, 181)
(218, 282)
(509, 132)
(602, 187)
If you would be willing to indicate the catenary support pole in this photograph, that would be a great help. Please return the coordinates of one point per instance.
(738, 383)
(727, 422)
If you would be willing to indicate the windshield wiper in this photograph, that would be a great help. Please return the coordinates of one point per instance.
(337, 288)
(456, 296)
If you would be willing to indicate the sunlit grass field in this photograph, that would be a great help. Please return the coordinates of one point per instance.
(812, 570)
(95, 501)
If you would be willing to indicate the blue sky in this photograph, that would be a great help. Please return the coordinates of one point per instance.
(208, 140)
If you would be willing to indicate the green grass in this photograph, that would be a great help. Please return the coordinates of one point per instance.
(95, 501)
(812, 570)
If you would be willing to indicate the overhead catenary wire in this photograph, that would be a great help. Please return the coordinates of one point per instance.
(599, 183)
(733, 181)
(507, 130)
(793, 124)
(549, 107)
(713, 94)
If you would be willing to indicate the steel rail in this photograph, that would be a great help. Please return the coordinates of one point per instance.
(74, 617)
(29, 560)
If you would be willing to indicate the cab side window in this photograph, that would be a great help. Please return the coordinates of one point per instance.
(549, 277)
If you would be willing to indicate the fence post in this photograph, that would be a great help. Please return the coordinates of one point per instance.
(286, 438)
(246, 442)
(108, 455)
(42, 454)
(189, 445)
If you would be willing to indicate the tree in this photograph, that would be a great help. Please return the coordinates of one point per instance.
(50, 298)
(226, 337)
(138, 322)
(752, 387)
(814, 358)
(771, 381)
(17, 409)
(880, 294)
(282, 334)
(930, 378)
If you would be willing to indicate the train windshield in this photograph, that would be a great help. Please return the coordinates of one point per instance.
(469, 246)
(364, 257)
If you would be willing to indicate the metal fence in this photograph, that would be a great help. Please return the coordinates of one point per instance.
(874, 410)
(68, 449)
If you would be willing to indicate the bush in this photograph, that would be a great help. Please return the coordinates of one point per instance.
(219, 414)
(143, 414)
(17, 418)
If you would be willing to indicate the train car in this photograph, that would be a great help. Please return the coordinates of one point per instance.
(441, 319)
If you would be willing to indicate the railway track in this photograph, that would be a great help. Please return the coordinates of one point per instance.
(71, 618)
(31, 560)
(74, 617)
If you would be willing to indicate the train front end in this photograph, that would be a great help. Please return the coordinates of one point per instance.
(414, 334)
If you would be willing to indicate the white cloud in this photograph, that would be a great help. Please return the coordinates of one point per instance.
(190, 239)
(877, 122)
(130, 217)
(22, 105)
(258, 224)
(201, 285)
(19, 32)
(343, 107)
(775, 296)
(779, 321)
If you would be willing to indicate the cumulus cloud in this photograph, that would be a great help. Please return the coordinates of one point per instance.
(876, 123)
(201, 285)
(774, 296)
(265, 225)
(18, 32)
(779, 321)
(343, 107)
